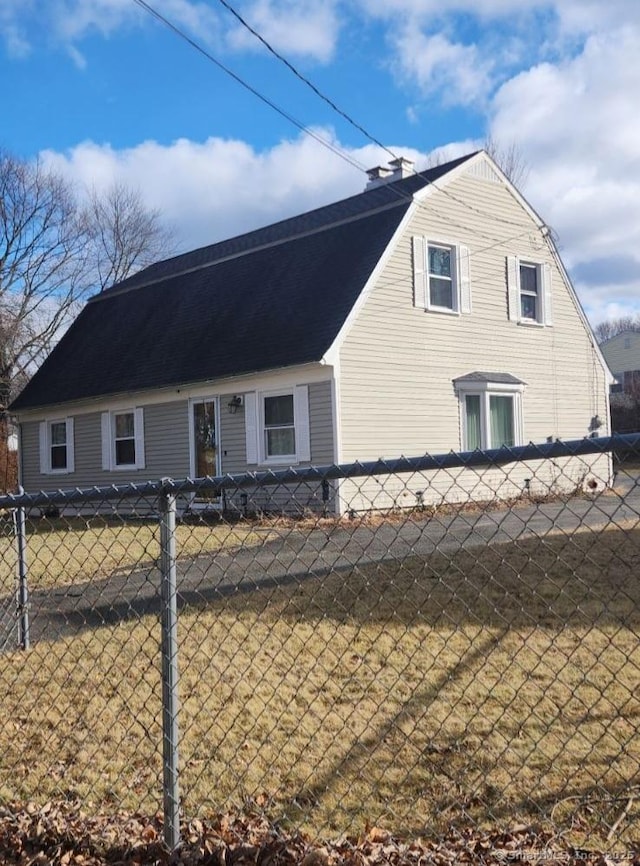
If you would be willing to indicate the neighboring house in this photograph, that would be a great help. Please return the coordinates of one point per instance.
(622, 354)
(429, 313)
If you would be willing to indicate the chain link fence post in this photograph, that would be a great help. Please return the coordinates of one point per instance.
(22, 594)
(169, 650)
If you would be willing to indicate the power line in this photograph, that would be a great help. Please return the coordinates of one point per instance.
(227, 5)
(400, 194)
(305, 80)
(265, 99)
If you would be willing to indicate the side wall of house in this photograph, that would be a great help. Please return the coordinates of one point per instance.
(622, 352)
(398, 362)
(167, 447)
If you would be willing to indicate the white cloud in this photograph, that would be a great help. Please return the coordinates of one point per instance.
(295, 27)
(436, 65)
(577, 16)
(577, 125)
(71, 20)
(220, 187)
(12, 27)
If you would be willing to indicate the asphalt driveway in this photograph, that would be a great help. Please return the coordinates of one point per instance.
(292, 554)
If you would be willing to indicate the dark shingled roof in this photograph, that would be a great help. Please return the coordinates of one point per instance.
(271, 298)
(498, 378)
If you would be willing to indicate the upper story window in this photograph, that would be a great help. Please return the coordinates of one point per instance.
(56, 446)
(441, 289)
(277, 426)
(490, 410)
(529, 291)
(441, 276)
(123, 439)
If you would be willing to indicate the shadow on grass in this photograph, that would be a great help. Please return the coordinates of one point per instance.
(580, 580)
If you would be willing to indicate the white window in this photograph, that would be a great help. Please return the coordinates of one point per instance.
(490, 410)
(441, 281)
(123, 440)
(277, 426)
(529, 291)
(56, 446)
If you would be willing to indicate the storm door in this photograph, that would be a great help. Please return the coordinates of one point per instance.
(205, 445)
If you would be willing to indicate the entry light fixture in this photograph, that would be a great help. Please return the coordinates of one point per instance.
(234, 404)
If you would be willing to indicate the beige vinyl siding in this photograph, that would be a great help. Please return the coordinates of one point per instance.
(166, 434)
(398, 362)
(622, 352)
(533, 478)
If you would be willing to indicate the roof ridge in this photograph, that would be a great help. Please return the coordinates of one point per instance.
(114, 291)
(158, 273)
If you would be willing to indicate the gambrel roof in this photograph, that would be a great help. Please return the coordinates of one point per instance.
(271, 298)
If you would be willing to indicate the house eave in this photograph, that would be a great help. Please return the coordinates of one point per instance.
(308, 372)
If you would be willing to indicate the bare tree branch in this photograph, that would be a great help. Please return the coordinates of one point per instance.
(53, 253)
(612, 327)
(125, 236)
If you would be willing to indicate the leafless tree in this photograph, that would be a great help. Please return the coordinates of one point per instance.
(509, 157)
(612, 327)
(55, 252)
(43, 265)
(124, 235)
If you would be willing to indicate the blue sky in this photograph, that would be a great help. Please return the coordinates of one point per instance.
(103, 92)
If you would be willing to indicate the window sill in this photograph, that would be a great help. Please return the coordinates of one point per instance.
(530, 323)
(445, 311)
(285, 461)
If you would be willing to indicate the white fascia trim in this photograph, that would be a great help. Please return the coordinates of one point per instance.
(336, 414)
(306, 374)
(331, 356)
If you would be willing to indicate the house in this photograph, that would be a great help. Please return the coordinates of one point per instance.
(428, 313)
(622, 354)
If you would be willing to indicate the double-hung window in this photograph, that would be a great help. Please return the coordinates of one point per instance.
(56, 446)
(440, 278)
(529, 291)
(123, 439)
(441, 282)
(277, 426)
(490, 410)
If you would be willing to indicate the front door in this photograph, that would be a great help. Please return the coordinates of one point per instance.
(206, 451)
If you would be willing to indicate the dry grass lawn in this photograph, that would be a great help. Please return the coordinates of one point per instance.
(62, 552)
(493, 686)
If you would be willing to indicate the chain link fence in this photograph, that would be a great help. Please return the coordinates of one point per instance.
(417, 645)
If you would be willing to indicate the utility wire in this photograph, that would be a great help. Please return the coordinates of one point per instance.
(401, 194)
(305, 80)
(281, 111)
(227, 5)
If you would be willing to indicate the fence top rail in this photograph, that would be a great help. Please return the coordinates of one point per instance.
(621, 444)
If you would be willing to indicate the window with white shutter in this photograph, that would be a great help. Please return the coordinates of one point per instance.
(441, 276)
